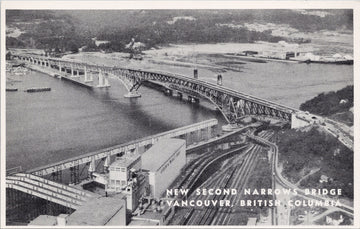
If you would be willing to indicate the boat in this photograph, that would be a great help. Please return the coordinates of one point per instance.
(38, 89)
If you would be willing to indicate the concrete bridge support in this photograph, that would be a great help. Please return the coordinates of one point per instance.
(92, 167)
(219, 80)
(75, 174)
(89, 76)
(103, 80)
(196, 73)
(169, 92)
(193, 99)
(72, 71)
(107, 163)
(86, 75)
(180, 95)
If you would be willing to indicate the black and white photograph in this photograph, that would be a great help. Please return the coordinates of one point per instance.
(186, 114)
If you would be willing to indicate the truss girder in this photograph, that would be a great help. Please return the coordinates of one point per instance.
(232, 104)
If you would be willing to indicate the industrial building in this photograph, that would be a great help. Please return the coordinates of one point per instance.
(163, 162)
(100, 212)
(121, 170)
(125, 176)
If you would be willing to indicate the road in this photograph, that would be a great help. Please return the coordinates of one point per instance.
(344, 208)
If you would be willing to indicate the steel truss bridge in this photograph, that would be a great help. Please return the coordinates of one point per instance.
(233, 104)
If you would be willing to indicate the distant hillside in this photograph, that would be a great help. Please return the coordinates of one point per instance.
(69, 29)
(333, 104)
(301, 152)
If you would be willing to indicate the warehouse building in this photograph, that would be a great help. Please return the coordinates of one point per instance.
(102, 211)
(163, 161)
(121, 170)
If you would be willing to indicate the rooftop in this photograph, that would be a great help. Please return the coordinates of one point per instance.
(143, 223)
(251, 221)
(125, 161)
(44, 220)
(97, 211)
(160, 152)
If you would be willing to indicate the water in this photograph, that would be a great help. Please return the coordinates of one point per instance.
(289, 84)
(70, 120)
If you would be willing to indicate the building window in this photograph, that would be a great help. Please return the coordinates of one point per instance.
(123, 170)
(117, 182)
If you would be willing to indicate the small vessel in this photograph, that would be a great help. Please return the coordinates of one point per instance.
(38, 89)
(11, 89)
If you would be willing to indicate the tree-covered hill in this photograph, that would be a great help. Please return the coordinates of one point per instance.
(303, 151)
(70, 29)
(331, 103)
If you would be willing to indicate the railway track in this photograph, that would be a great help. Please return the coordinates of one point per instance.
(240, 180)
(225, 213)
(235, 175)
(191, 217)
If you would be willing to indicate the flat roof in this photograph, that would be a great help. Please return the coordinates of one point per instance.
(44, 220)
(138, 222)
(125, 161)
(251, 221)
(97, 211)
(160, 152)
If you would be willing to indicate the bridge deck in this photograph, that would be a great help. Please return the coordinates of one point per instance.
(55, 192)
(216, 87)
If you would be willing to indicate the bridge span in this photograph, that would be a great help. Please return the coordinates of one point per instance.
(196, 132)
(232, 104)
(49, 190)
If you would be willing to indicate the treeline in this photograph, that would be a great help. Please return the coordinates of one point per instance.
(44, 30)
(70, 29)
(302, 151)
(330, 103)
(185, 31)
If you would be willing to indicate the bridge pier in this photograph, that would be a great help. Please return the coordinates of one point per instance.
(103, 80)
(107, 163)
(86, 75)
(180, 95)
(169, 92)
(92, 167)
(219, 80)
(199, 136)
(74, 174)
(193, 99)
(195, 73)
(188, 139)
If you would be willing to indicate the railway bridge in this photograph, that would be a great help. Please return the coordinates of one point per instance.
(232, 104)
